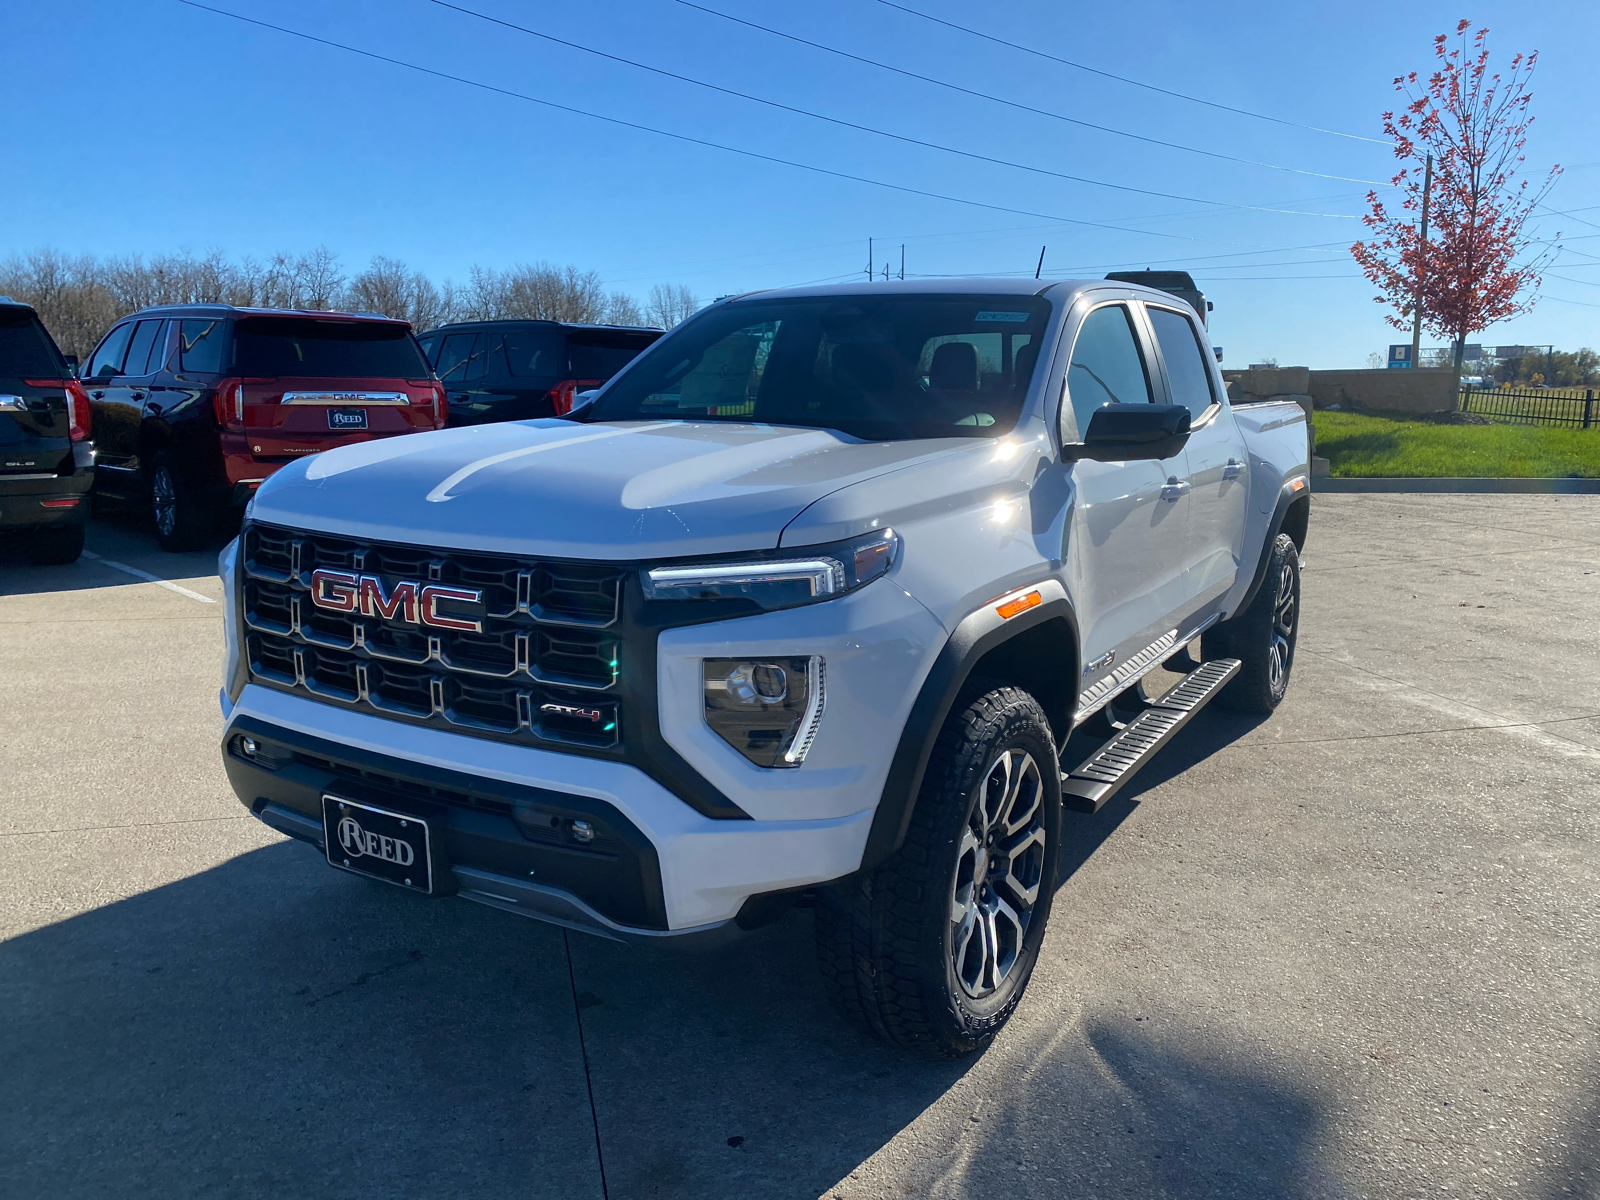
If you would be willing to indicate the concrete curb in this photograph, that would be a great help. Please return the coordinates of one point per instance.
(1560, 487)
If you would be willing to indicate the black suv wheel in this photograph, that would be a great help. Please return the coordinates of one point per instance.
(182, 521)
(932, 949)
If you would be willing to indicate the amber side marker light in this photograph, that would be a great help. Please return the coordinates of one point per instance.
(1019, 604)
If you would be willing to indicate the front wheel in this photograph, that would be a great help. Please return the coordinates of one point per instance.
(933, 948)
(1263, 637)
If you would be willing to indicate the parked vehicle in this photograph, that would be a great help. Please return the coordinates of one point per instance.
(46, 458)
(196, 405)
(518, 370)
(812, 598)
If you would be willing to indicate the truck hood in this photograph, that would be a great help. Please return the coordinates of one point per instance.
(626, 490)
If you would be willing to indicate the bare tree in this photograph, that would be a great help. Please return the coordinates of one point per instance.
(670, 303)
(623, 309)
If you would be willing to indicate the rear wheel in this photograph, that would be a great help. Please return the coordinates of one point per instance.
(933, 948)
(182, 521)
(56, 547)
(1263, 637)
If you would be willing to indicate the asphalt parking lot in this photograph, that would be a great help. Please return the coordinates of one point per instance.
(1350, 951)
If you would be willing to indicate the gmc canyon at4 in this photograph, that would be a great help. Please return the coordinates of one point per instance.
(808, 600)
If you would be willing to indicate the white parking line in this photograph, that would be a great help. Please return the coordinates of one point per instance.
(147, 577)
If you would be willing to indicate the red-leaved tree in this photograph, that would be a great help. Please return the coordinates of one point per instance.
(1479, 264)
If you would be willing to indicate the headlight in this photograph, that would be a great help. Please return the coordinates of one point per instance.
(781, 582)
(767, 709)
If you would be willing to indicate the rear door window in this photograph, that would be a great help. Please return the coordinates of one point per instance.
(26, 350)
(144, 341)
(107, 360)
(1187, 372)
(202, 346)
(462, 358)
(600, 354)
(310, 347)
(1107, 367)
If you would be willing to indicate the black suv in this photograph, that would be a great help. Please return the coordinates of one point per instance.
(196, 405)
(516, 370)
(46, 459)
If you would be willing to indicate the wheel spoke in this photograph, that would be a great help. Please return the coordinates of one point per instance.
(1023, 874)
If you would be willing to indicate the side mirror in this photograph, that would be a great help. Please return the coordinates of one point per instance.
(582, 400)
(1128, 432)
(72, 364)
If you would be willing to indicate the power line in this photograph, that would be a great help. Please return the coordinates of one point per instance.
(679, 137)
(1067, 62)
(898, 137)
(1043, 112)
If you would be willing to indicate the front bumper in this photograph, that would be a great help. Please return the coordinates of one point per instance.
(47, 500)
(673, 872)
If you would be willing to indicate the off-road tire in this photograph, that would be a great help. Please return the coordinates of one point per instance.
(884, 935)
(182, 520)
(1262, 637)
(56, 547)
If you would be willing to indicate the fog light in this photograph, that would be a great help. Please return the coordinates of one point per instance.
(248, 745)
(766, 709)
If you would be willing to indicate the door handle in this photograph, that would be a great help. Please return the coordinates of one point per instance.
(137, 395)
(1233, 470)
(1175, 489)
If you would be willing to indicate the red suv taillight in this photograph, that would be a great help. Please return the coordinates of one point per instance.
(228, 400)
(79, 418)
(440, 404)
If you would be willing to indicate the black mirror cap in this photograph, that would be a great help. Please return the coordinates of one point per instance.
(1129, 432)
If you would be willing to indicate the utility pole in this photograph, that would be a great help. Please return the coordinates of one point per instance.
(902, 262)
(1040, 267)
(1422, 258)
(869, 260)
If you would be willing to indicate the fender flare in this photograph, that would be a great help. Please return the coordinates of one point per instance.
(1288, 495)
(977, 634)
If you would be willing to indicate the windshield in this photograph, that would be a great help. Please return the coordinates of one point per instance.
(307, 346)
(879, 368)
(26, 350)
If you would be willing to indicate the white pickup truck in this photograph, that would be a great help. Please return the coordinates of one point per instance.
(805, 603)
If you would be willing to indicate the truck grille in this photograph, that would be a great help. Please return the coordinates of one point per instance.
(543, 668)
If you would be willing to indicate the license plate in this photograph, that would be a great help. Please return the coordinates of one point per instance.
(347, 418)
(371, 841)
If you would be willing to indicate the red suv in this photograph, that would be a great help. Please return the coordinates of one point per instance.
(196, 404)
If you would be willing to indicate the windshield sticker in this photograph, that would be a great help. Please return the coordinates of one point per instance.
(1016, 317)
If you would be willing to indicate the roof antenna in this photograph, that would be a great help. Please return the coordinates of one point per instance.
(1040, 267)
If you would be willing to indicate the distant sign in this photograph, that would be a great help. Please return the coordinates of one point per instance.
(1471, 352)
(1516, 351)
(1399, 356)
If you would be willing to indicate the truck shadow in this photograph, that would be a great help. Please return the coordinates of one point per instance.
(271, 1027)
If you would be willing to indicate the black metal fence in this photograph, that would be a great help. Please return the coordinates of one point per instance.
(1534, 407)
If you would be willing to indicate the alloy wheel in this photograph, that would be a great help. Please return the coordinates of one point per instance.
(1283, 618)
(164, 501)
(999, 871)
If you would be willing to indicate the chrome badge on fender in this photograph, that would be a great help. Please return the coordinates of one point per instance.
(408, 601)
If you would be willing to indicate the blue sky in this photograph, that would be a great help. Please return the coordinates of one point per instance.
(146, 126)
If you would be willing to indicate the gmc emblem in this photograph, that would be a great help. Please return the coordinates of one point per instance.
(414, 603)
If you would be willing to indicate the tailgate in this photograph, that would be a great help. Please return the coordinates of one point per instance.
(291, 417)
(34, 429)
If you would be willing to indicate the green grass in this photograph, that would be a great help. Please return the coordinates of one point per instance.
(1358, 445)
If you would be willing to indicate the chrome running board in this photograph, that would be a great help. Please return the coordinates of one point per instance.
(1099, 777)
